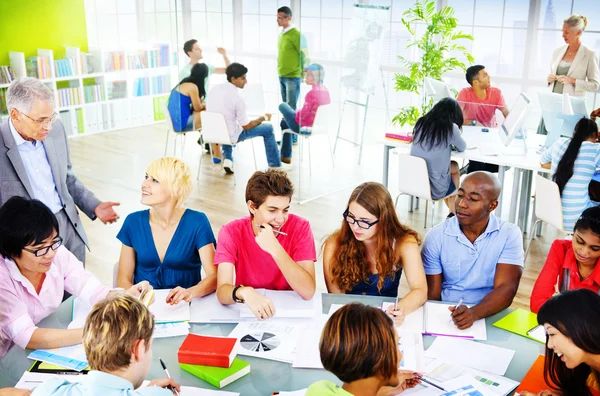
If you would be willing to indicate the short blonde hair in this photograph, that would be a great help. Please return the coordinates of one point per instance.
(111, 330)
(578, 22)
(175, 175)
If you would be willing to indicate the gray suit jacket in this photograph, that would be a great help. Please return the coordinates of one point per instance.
(14, 180)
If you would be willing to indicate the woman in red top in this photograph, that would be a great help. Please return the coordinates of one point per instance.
(580, 256)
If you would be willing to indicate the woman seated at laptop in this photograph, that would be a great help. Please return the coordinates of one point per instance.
(579, 256)
(35, 271)
(572, 344)
(368, 253)
(359, 345)
(573, 162)
(168, 245)
(433, 138)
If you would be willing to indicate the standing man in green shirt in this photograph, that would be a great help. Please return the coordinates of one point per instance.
(292, 56)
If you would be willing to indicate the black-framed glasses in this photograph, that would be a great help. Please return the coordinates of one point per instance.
(44, 123)
(44, 250)
(365, 225)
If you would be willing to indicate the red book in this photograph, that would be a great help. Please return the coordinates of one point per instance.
(207, 351)
(534, 379)
(405, 138)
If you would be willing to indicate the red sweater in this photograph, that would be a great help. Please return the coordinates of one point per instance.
(560, 256)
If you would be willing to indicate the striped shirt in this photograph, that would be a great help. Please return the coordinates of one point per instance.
(575, 197)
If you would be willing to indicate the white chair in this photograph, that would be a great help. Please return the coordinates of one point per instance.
(320, 127)
(171, 130)
(254, 97)
(413, 180)
(214, 131)
(548, 207)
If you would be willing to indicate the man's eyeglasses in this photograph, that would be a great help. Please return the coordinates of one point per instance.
(365, 225)
(45, 122)
(44, 250)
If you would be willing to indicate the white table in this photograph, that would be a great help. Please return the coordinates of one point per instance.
(523, 164)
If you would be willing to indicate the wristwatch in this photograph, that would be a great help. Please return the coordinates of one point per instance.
(473, 122)
(233, 295)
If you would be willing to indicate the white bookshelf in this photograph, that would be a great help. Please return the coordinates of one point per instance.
(109, 88)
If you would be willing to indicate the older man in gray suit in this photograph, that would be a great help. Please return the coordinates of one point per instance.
(35, 163)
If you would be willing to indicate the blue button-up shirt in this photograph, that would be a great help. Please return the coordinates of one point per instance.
(35, 160)
(96, 383)
(468, 269)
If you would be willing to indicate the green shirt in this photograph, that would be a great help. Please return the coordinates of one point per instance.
(326, 388)
(290, 60)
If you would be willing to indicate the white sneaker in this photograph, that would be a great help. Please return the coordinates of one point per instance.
(284, 167)
(228, 166)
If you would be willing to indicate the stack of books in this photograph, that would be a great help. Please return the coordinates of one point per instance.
(93, 93)
(69, 97)
(212, 359)
(115, 61)
(38, 66)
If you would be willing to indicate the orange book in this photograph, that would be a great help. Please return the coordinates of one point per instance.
(534, 379)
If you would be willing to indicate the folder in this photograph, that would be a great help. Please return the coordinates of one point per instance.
(521, 322)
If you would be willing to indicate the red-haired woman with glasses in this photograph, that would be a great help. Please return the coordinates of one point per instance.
(368, 253)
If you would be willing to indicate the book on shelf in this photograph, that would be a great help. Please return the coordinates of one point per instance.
(87, 63)
(115, 61)
(68, 97)
(6, 75)
(207, 351)
(117, 89)
(65, 67)
(218, 376)
(3, 107)
(93, 93)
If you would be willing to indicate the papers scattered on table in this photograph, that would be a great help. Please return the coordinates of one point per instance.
(288, 306)
(267, 340)
(434, 319)
(176, 329)
(165, 313)
(72, 357)
(472, 354)
(413, 353)
(307, 346)
(31, 380)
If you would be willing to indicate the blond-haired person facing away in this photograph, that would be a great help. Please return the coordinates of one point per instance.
(168, 245)
(117, 338)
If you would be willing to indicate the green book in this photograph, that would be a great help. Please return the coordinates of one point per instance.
(520, 322)
(218, 376)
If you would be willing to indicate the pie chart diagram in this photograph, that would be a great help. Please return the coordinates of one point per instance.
(260, 342)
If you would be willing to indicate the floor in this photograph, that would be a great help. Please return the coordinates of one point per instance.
(113, 164)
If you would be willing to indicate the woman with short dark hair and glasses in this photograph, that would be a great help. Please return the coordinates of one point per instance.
(368, 253)
(35, 270)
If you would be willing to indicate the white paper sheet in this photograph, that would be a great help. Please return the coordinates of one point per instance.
(439, 322)
(288, 304)
(164, 330)
(472, 354)
(33, 380)
(267, 339)
(208, 309)
(300, 392)
(335, 307)
(307, 347)
(164, 312)
(539, 333)
(413, 353)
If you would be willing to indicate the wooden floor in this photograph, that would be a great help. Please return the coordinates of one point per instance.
(112, 165)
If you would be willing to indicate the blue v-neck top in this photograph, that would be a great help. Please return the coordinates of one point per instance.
(181, 264)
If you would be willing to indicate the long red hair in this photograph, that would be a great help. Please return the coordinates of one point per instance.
(349, 265)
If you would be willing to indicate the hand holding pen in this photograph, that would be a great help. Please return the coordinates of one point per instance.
(462, 316)
(168, 383)
(396, 313)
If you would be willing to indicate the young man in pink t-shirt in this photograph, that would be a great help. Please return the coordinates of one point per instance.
(480, 101)
(269, 249)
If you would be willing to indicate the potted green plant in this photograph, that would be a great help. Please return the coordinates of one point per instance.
(439, 47)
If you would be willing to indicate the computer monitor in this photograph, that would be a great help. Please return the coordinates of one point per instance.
(513, 122)
(556, 122)
(436, 89)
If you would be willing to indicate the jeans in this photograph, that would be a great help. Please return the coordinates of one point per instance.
(266, 131)
(289, 122)
(290, 90)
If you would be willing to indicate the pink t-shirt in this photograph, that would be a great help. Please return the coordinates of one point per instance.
(21, 308)
(317, 96)
(253, 266)
(482, 110)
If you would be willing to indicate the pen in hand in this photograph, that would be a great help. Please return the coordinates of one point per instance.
(164, 366)
(275, 231)
(456, 307)
(420, 377)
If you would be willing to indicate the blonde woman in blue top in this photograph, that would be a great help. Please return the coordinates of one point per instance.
(167, 245)
(574, 162)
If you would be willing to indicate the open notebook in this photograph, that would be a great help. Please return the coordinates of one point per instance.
(434, 319)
